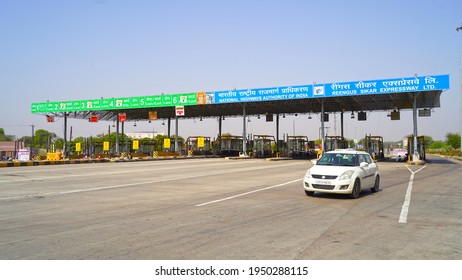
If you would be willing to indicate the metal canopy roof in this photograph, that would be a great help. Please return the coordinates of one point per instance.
(372, 95)
(378, 102)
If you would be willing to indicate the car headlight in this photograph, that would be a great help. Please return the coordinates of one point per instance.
(346, 175)
(308, 174)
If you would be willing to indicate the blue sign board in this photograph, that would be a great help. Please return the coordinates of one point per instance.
(398, 85)
(427, 83)
(264, 94)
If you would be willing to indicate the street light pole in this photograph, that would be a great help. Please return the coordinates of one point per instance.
(459, 29)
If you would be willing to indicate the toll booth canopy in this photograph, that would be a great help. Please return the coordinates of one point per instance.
(390, 95)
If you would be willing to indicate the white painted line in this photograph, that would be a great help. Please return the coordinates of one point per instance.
(247, 193)
(106, 173)
(39, 195)
(42, 195)
(407, 199)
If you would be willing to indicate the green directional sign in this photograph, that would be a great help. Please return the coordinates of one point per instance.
(135, 102)
(183, 99)
(153, 101)
(78, 105)
(122, 103)
(107, 104)
(39, 107)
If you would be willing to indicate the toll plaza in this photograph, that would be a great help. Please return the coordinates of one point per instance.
(300, 147)
(418, 94)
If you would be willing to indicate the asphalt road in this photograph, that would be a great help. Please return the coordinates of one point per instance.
(225, 209)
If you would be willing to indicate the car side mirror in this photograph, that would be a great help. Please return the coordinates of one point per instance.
(363, 164)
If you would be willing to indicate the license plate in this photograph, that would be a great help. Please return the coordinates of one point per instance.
(322, 182)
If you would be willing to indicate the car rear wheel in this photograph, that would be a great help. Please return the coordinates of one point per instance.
(376, 187)
(356, 189)
(308, 193)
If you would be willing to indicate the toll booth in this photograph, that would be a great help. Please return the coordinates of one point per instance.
(125, 147)
(300, 147)
(420, 147)
(230, 145)
(334, 142)
(374, 146)
(74, 152)
(170, 146)
(198, 145)
(145, 148)
(262, 145)
(100, 149)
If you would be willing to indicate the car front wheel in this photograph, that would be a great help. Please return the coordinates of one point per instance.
(356, 189)
(376, 187)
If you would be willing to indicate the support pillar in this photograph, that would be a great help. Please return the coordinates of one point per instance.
(277, 133)
(65, 136)
(177, 147)
(219, 132)
(322, 127)
(416, 155)
(244, 132)
(117, 151)
(31, 142)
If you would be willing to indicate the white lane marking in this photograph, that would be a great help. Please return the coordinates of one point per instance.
(42, 195)
(407, 199)
(157, 169)
(90, 190)
(247, 193)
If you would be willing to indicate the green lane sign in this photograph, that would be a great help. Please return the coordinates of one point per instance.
(153, 101)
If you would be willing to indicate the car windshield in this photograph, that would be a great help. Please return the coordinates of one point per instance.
(338, 159)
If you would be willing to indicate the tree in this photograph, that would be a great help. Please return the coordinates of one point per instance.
(43, 137)
(4, 137)
(79, 139)
(26, 140)
(437, 145)
(428, 141)
(453, 140)
(59, 144)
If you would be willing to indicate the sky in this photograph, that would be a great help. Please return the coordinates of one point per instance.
(87, 49)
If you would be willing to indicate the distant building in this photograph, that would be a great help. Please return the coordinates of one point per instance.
(8, 149)
(141, 135)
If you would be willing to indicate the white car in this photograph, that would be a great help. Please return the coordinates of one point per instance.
(342, 172)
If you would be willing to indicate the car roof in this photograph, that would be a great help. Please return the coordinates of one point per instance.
(346, 151)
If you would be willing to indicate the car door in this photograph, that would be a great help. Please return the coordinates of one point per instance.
(368, 171)
(372, 169)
